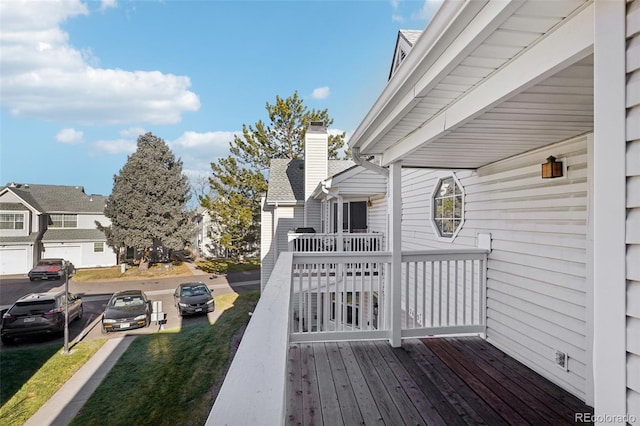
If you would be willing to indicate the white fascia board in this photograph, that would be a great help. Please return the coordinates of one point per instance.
(449, 20)
(36, 211)
(483, 25)
(569, 44)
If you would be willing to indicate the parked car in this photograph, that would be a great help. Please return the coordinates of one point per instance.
(193, 298)
(51, 269)
(126, 310)
(39, 313)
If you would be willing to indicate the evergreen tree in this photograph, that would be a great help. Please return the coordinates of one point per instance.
(238, 180)
(148, 202)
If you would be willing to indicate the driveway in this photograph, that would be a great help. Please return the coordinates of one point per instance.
(95, 295)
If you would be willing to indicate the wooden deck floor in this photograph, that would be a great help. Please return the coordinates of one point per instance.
(452, 381)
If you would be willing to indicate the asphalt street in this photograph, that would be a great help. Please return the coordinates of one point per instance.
(95, 296)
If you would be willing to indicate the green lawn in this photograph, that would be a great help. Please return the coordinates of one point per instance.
(30, 376)
(225, 266)
(132, 272)
(171, 377)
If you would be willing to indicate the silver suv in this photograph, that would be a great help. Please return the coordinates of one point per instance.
(39, 313)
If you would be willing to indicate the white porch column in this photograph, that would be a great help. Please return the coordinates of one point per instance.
(609, 210)
(340, 219)
(395, 247)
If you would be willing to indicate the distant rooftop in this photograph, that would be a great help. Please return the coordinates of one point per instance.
(58, 198)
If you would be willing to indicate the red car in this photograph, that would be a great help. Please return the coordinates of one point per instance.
(47, 269)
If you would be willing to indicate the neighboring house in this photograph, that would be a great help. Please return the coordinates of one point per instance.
(303, 194)
(51, 221)
(206, 235)
(465, 126)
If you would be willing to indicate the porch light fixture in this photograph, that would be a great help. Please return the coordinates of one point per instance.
(552, 168)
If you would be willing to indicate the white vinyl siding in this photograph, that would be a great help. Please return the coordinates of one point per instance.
(537, 268)
(286, 219)
(316, 164)
(633, 208)
(378, 215)
(360, 181)
(267, 258)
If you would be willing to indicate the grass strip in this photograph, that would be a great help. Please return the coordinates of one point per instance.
(171, 377)
(226, 266)
(113, 273)
(29, 377)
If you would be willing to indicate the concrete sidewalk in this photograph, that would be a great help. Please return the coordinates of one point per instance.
(69, 399)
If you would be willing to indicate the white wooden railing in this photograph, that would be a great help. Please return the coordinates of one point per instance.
(346, 296)
(370, 241)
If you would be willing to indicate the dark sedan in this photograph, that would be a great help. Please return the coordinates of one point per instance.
(39, 313)
(126, 310)
(193, 298)
(47, 269)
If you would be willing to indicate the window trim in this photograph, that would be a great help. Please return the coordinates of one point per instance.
(64, 220)
(95, 244)
(15, 215)
(432, 219)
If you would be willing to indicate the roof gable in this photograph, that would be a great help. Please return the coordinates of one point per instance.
(404, 43)
(58, 198)
(286, 179)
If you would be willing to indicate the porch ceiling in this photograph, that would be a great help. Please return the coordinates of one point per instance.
(518, 76)
(557, 109)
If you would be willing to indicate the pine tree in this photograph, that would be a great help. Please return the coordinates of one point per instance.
(147, 205)
(238, 180)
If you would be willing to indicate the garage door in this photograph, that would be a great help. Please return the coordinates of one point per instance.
(72, 253)
(13, 261)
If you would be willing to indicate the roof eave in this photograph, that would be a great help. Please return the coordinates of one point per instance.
(449, 20)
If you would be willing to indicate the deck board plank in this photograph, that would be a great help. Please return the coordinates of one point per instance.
(453, 381)
(398, 394)
(295, 404)
(467, 405)
(331, 414)
(349, 408)
(312, 414)
(378, 387)
(528, 390)
(570, 402)
(521, 401)
(493, 399)
(370, 413)
(425, 396)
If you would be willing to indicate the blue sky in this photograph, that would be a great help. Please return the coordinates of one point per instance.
(79, 81)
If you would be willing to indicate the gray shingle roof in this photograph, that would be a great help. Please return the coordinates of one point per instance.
(286, 179)
(59, 198)
(25, 239)
(73, 234)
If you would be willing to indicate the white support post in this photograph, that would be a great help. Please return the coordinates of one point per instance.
(395, 247)
(609, 358)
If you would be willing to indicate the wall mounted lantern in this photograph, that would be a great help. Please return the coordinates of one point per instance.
(552, 168)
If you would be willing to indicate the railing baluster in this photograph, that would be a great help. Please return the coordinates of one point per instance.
(473, 317)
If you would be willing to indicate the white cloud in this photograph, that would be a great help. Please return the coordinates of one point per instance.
(44, 77)
(115, 146)
(108, 4)
(427, 11)
(397, 18)
(132, 132)
(394, 3)
(321, 93)
(69, 136)
(197, 140)
(198, 150)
